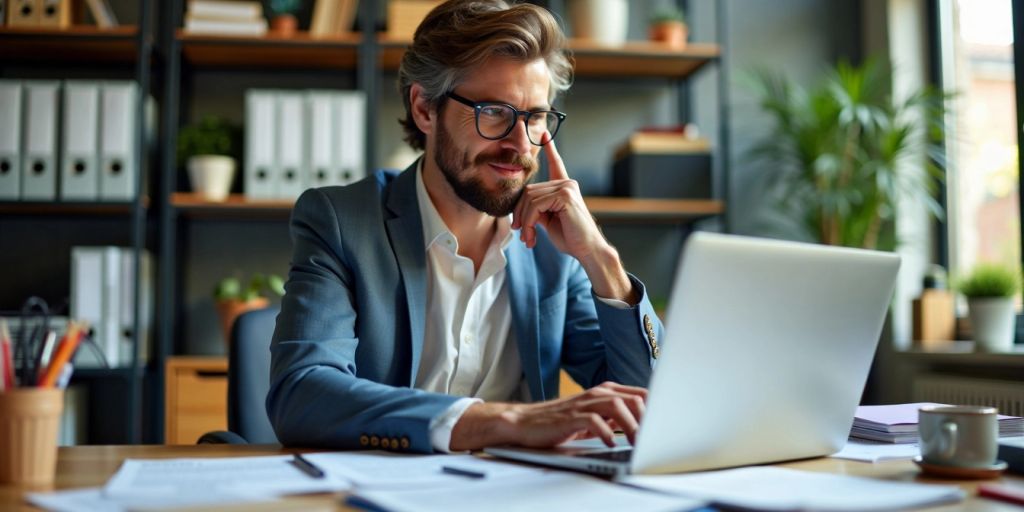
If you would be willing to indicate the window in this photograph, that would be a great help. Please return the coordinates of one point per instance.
(983, 182)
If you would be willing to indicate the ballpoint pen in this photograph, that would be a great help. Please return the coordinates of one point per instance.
(307, 467)
(451, 470)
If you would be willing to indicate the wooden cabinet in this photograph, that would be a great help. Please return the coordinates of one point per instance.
(196, 397)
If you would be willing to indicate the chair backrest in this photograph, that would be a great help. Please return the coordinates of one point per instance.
(249, 375)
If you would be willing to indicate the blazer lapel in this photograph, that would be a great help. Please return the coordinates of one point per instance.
(405, 231)
(522, 288)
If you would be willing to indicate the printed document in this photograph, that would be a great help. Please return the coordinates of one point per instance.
(384, 469)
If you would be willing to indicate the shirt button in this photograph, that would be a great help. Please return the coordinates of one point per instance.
(467, 339)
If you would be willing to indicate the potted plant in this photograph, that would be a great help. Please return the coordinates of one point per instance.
(233, 298)
(990, 290)
(283, 23)
(843, 153)
(668, 26)
(206, 149)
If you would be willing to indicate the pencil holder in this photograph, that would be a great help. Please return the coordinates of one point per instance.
(29, 420)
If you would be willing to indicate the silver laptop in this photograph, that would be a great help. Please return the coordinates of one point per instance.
(765, 356)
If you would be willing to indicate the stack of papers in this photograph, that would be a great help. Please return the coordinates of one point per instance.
(898, 423)
(772, 488)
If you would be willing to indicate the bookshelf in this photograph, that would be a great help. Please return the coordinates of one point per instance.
(39, 235)
(153, 51)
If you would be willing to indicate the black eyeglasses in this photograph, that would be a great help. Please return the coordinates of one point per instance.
(495, 120)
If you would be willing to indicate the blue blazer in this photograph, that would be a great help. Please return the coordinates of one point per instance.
(348, 339)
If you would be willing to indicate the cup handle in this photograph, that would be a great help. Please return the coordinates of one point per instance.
(949, 439)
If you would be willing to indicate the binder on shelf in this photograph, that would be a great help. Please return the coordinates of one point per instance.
(102, 13)
(260, 144)
(118, 169)
(291, 149)
(86, 300)
(55, 14)
(39, 144)
(10, 139)
(108, 335)
(126, 313)
(321, 129)
(350, 109)
(23, 13)
(79, 174)
(325, 15)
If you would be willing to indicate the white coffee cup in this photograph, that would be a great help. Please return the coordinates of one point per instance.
(959, 436)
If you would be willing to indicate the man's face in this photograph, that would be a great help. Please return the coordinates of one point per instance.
(489, 175)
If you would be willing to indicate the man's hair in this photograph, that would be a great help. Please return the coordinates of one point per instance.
(459, 35)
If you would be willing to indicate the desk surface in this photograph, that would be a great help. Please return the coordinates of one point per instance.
(91, 466)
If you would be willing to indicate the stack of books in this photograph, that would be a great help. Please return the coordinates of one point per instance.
(898, 423)
(225, 18)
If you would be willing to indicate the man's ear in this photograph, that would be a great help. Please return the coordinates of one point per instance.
(422, 113)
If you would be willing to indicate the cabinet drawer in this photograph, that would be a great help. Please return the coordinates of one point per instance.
(196, 398)
(202, 392)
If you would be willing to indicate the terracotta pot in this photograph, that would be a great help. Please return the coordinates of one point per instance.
(228, 310)
(284, 25)
(672, 34)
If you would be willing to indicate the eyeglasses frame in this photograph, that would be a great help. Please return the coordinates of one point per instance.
(477, 106)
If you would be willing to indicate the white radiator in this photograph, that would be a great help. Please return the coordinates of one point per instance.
(1006, 395)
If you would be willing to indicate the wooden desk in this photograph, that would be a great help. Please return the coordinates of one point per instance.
(90, 466)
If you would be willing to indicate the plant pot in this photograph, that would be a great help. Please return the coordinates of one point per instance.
(228, 311)
(992, 322)
(211, 176)
(284, 25)
(671, 33)
(605, 22)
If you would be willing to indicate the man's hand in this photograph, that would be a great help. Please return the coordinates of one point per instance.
(558, 205)
(597, 412)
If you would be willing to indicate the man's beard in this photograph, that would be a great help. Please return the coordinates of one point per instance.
(457, 169)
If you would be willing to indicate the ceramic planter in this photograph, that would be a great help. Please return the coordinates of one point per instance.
(211, 176)
(228, 310)
(992, 322)
(670, 33)
(604, 22)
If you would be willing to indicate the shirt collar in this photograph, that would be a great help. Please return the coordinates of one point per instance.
(434, 226)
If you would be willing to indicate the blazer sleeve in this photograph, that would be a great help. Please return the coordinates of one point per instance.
(316, 397)
(604, 343)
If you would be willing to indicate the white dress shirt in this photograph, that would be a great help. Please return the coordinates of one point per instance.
(468, 347)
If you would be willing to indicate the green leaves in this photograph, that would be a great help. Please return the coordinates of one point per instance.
(843, 153)
(211, 136)
(990, 280)
(230, 288)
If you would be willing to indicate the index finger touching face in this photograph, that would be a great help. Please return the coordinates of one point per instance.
(556, 168)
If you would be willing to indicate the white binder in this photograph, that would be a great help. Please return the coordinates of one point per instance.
(321, 123)
(79, 173)
(350, 108)
(86, 301)
(118, 168)
(39, 141)
(108, 333)
(291, 149)
(10, 139)
(24, 13)
(260, 144)
(127, 305)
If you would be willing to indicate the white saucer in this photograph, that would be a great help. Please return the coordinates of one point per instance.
(958, 472)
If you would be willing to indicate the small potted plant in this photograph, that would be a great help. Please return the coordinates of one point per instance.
(283, 23)
(206, 149)
(990, 290)
(233, 298)
(668, 26)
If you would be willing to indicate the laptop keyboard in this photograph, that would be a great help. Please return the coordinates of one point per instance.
(615, 456)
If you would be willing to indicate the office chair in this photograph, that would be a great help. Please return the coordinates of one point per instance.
(248, 381)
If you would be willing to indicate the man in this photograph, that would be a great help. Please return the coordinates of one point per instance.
(424, 309)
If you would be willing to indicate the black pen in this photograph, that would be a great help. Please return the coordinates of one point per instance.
(307, 467)
(462, 472)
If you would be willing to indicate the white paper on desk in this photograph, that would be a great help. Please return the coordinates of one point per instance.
(526, 493)
(774, 488)
(92, 499)
(868, 451)
(384, 469)
(240, 476)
